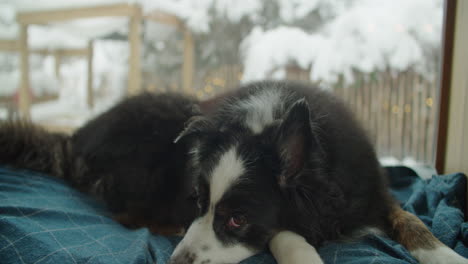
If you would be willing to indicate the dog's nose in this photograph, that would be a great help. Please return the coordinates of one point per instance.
(183, 258)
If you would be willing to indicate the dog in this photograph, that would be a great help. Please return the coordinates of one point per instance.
(286, 159)
(273, 164)
(125, 157)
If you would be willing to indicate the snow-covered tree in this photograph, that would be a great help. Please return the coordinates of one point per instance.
(220, 26)
(366, 36)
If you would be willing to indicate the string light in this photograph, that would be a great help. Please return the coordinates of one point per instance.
(386, 105)
(407, 108)
(429, 101)
(219, 82)
(199, 94)
(208, 89)
(151, 87)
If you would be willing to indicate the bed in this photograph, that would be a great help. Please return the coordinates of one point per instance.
(43, 220)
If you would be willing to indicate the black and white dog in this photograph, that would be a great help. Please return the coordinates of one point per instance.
(273, 164)
(277, 162)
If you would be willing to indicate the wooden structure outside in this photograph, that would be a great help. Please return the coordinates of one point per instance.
(132, 11)
(189, 46)
(398, 111)
(25, 97)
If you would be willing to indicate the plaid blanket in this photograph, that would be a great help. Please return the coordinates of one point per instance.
(43, 220)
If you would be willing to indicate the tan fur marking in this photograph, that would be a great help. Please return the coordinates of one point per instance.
(410, 231)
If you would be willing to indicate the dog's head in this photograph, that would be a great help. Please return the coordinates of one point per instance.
(244, 176)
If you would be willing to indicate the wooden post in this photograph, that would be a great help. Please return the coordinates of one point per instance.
(187, 67)
(24, 99)
(90, 97)
(134, 67)
(56, 15)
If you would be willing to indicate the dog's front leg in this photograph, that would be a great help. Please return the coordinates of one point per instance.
(290, 248)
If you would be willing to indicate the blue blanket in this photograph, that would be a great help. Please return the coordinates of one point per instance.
(42, 220)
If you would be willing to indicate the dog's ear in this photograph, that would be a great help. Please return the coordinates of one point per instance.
(196, 125)
(293, 140)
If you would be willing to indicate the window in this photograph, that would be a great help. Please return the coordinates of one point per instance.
(382, 57)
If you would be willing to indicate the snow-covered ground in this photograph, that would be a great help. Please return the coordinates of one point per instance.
(42, 79)
(110, 72)
(109, 62)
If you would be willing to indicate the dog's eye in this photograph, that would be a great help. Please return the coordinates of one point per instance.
(236, 222)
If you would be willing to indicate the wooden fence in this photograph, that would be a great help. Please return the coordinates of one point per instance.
(399, 111)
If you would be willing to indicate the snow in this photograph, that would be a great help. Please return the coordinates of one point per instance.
(10, 82)
(266, 51)
(291, 10)
(43, 81)
(92, 28)
(368, 36)
(40, 37)
(3, 113)
(68, 33)
(110, 71)
(194, 13)
(236, 10)
(8, 30)
(422, 170)
(375, 34)
(110, 62)
(34, 5)
(83, 29)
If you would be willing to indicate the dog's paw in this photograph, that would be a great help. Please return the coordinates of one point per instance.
(303, 256)
(290, 248)
(439, 255)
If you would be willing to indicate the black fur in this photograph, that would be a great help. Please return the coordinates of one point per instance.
(24, 145)
(312, 170)
(125, 156)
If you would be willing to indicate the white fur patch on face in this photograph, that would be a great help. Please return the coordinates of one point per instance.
(225, 173)
(200, 245)
(441, 254)
(290, 248)
(261, 109)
